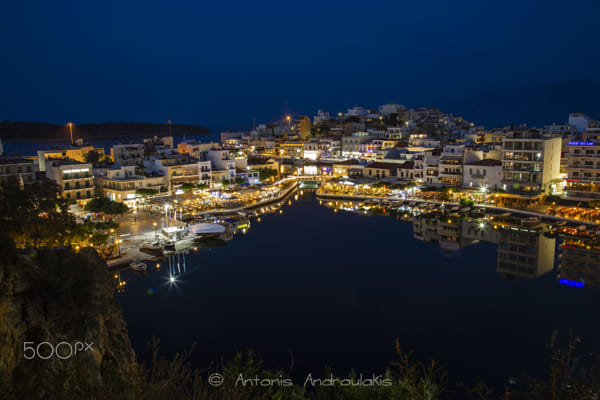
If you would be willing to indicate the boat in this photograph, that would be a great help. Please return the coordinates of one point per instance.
(154, 249)
(205, 228)
(138, 266)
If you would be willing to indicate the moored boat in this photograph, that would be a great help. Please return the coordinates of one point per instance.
(154, 249)
(205, 228)
(138, 266)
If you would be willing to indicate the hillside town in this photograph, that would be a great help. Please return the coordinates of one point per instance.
(391, 145)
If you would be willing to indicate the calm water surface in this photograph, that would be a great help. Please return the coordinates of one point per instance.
(337, 289)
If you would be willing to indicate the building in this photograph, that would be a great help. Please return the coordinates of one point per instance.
(388, 109)
(17, 170)
(73, 153)
(322, 116)
(180, 171)
(583, 169)
(222, 165)
(451, 165)
(197, 150)
(531, 162)
(347, 168)
(75, 179)
(294, 149)
(351, 145)
(310, 150)
(127, 154)
(486, 174)
(378, 170)
(356, 111)
(120, 183)
(303, 127)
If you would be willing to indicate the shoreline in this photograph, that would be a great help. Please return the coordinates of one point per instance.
(504, 209)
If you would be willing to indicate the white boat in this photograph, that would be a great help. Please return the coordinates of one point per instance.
(138, 266)
(154, 249)
(204, 228)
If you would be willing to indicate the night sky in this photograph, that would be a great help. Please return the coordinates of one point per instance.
(220, 63)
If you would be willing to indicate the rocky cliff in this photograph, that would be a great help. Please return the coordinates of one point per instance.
(54, 296)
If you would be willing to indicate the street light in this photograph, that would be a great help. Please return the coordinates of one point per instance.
(154, 224)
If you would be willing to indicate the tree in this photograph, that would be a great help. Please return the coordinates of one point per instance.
(266, 173)
(106, 206)
(239, 181)
(202, 186)
(225, 182)
(92, 157)
(187, 187)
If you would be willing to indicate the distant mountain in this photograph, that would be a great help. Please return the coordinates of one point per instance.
(27, 131)
(537, 105)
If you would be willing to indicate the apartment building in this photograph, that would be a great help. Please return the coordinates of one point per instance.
(451, 165)
(583, 168)
(17, 170)
(181, 170)
(75, 179)
(127, 153)
(531, 162)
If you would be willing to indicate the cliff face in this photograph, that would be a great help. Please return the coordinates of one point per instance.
(59, 296)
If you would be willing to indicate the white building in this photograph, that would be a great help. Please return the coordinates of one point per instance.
(322, 116)
(388, 109)
(356, 111)
(486, 174)
(531, 162)
(75, 179)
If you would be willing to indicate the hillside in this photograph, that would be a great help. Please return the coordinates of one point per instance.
(11, 131)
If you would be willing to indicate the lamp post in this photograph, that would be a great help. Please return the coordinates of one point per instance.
(154, 224)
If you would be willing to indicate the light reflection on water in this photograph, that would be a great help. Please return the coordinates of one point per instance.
(337, 288)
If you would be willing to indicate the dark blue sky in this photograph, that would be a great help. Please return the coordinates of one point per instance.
(220, 63)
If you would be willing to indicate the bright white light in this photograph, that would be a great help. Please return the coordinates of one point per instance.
(172, 279)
